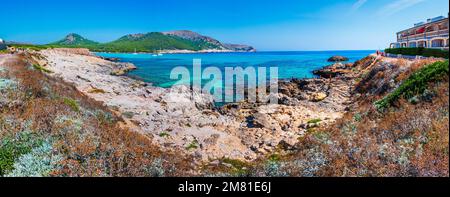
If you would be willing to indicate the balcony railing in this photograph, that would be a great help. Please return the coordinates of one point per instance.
(426, 35)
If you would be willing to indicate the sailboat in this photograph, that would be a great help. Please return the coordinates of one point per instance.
(135, 52)
(159, 52)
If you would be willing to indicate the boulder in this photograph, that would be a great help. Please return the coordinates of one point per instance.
(337, 58)
(317, 97)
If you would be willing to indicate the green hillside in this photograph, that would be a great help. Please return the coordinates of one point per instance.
(149, 42)
(74, 40)
(152, 42)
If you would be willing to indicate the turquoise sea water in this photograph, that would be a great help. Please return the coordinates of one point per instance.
(156, 69)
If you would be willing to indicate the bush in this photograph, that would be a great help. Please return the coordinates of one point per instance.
(40, 68)
(39, 162)
(73, 104)
(12, 148)
(416, 83)
(419, 51)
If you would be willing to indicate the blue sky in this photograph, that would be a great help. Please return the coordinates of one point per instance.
(265, 24)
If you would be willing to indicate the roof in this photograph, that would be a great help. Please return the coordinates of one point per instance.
(423, 25)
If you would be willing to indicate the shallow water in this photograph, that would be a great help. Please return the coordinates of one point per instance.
(300, 64)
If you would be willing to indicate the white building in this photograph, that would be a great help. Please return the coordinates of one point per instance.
(430, 34)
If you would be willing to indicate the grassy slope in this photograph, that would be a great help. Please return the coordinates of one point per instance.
(406, 139)
(48, 128)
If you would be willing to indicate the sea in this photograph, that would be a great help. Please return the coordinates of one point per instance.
(291, 64)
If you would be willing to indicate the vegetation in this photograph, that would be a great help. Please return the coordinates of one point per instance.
(41, 68)
(73, 104)
(192, 145)
(416, 84)
(408, 140)
(426, 52)
(31, 47)
(150, 43)
(314, 121)
(48, 128)
(74, 40)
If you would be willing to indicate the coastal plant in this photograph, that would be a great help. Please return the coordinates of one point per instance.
(315, 121)
(12, 147)
(164, 134)
(128, 114)
(41, 68)
(193, 145)
(417, 83)
(275, 168)
(156, 168)
(235, 167)
(73, 104)
(426, 52)
(92, 143)
(39, 162)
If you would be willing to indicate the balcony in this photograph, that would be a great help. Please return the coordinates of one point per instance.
(427, 35)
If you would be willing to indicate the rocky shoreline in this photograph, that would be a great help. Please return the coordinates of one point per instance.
(185, 120)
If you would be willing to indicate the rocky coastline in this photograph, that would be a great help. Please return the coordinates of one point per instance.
(186, 120)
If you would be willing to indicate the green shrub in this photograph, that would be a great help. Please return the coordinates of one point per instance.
(39, 162)
(40, 68)
(419, 51)
(192, 145)
(314, 121)
(12, 148)
(164, 134)
(416, 84)
(73, 104)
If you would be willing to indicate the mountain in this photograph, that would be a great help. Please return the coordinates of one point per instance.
(75, 40)
(239, 47)
(153, 42)
(211, 43)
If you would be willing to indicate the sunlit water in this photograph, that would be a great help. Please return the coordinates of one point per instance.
(157, 69)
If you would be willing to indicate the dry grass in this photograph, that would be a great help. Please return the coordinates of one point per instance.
(406, 140)
(88, 136)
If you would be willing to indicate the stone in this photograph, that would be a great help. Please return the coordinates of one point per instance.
(317, 97)
(338, 58)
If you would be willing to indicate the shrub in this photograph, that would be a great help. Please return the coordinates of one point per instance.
(41, 68)
(419, 51)
(73, 104)
(314, 121)
(164, 134)
(12, 148)
(415, 84)
(192, 145)
(39, 162)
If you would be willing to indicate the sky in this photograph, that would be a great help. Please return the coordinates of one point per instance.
(268, 25)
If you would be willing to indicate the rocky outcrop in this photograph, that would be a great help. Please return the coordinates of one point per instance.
(338, 58)
(122, 68)
(337, 69)
(239, 47)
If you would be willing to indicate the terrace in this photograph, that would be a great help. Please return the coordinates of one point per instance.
(433, 34)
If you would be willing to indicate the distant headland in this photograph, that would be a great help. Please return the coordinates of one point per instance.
(182, 41)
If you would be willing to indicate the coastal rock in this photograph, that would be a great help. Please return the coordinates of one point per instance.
(338, 58)
(123, 68)
(334, 70)
(317, 97)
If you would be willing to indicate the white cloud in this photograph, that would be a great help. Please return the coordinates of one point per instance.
(358, 4)
(397, 6)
